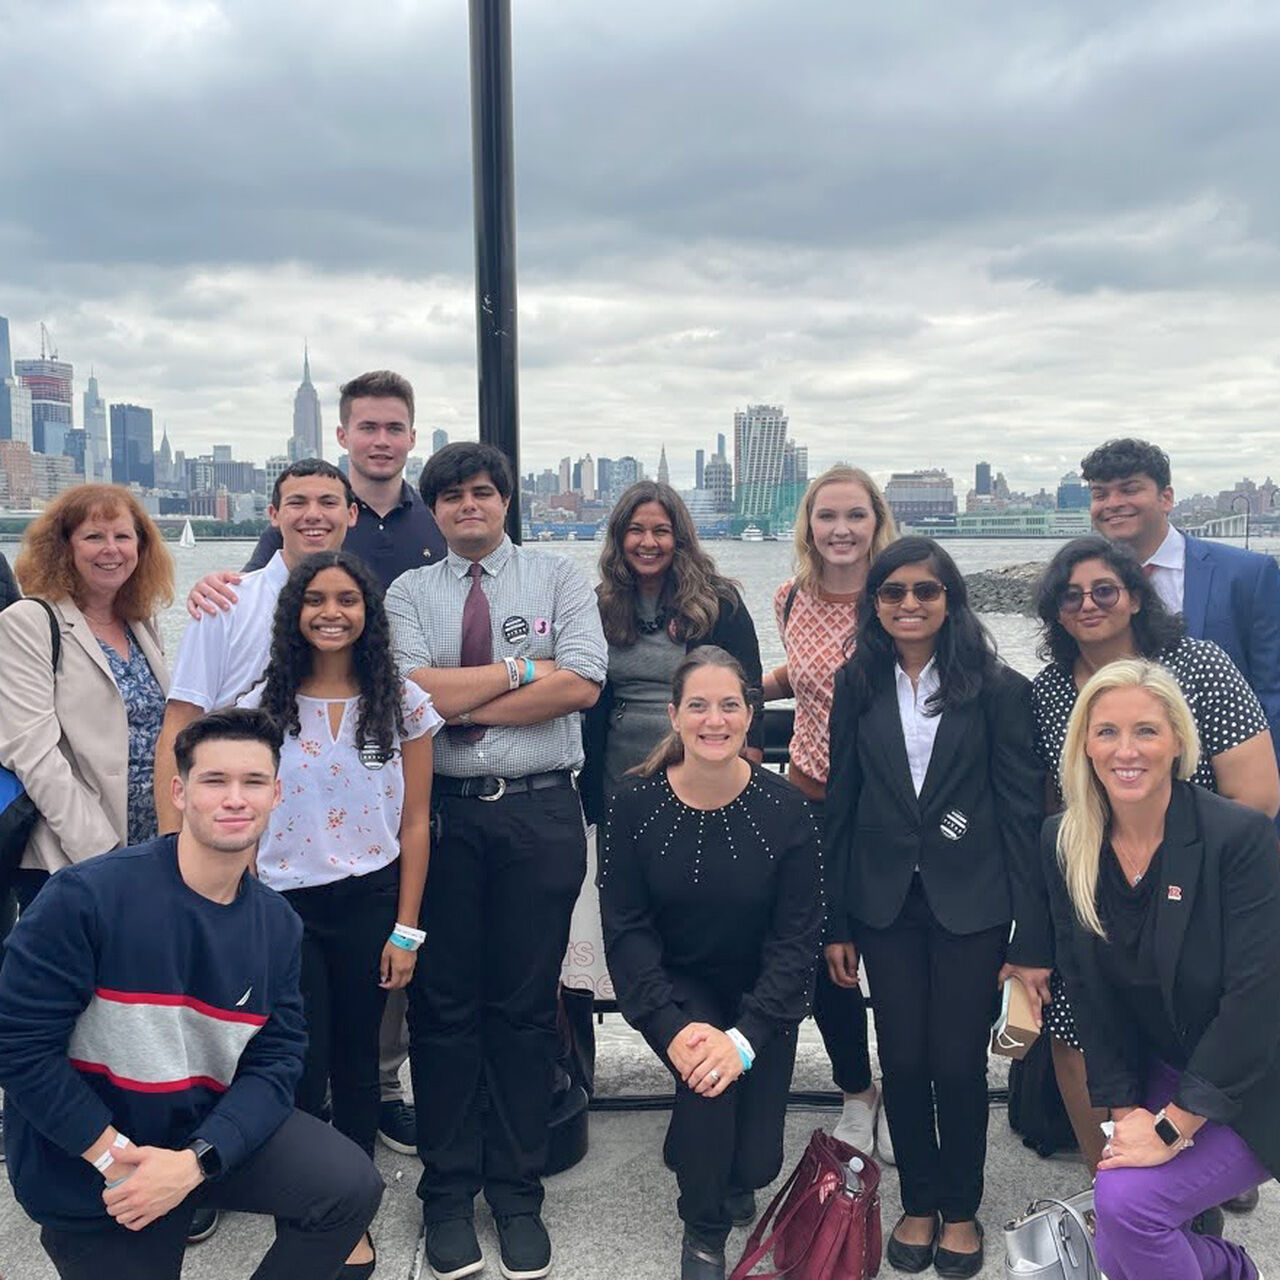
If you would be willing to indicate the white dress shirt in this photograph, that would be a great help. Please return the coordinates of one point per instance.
(919, 726)
(1167, 569)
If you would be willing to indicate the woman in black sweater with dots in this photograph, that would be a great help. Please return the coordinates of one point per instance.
(712, 908)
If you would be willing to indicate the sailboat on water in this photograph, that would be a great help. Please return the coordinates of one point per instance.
(187, 540)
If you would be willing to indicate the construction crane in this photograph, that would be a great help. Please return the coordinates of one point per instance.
(46, 339)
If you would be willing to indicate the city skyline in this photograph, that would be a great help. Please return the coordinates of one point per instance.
(941, 234)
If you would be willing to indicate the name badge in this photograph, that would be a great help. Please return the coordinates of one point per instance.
(954, 824)
(372, 756)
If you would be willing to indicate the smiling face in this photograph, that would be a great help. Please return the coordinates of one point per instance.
(313, 515)
(649, 543)
(227, 797)
(843, 523)
(378, 436)
(1131, 745)
(1131, 510)
(104, 553)
(912, 621)
(1093, 624)
(332, 614)
(713, 716)
(472, 516)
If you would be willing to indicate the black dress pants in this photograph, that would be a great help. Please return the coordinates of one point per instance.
(345, 925)
(841, 1015)
(734, 1141)
(934, 995)
(482, 1005)
(321, 1188)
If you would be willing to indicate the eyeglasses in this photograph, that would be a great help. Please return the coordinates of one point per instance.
(896, 592)
(1103, 594)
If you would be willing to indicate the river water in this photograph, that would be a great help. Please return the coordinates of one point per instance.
(758, 566)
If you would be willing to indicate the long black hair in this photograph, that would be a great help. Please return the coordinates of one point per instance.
(1154, 628)
(964, 653)
(381, 715)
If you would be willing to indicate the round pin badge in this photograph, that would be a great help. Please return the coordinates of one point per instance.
(372, 756)
(954, 824)
(515, 628)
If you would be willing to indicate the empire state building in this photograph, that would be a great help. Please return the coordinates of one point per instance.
(307, 440)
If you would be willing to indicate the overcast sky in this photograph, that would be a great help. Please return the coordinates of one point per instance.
(935, 232)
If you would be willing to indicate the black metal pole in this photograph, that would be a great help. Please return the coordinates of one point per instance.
(493, 177)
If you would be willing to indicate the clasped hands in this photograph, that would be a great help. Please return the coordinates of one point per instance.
(1134, 1142)
(707, 1060)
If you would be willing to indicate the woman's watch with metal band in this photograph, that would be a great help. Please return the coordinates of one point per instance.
(1169, 1133)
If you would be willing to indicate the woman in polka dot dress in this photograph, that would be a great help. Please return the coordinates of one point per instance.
(710, 895)
(1096, 606)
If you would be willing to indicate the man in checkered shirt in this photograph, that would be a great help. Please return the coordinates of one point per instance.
(509, 645)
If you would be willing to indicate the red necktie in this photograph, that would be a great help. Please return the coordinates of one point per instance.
(477, 644)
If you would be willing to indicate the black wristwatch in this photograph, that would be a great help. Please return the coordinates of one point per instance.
(206, 1157)
(1167, 1131)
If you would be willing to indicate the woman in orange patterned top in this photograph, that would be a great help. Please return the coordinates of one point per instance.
(843, 522)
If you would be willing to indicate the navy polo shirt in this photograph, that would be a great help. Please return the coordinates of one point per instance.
(407, 537)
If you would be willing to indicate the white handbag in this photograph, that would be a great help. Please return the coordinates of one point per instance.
(1053, 1240)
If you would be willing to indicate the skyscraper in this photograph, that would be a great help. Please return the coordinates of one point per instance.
(49, 381)
(439, 438)
(664, 471)
(164, 462)
(982, 479)
(604, 480)
(587, 478)
(132, 446)
(307, 440)
(718, 477)
(97, 443)
(699, 461)
(566, 476)
(759, 437)
(15, 399)
(720, 444)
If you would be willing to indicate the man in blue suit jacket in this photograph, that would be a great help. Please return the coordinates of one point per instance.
(1224, 594)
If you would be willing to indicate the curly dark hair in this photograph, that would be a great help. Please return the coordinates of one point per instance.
(1118, 459)
(964, 652)
(381, 713)
(1154, 628)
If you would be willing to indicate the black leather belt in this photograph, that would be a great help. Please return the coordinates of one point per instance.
(491, 788)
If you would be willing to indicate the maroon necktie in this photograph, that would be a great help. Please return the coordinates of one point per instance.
(477, 644)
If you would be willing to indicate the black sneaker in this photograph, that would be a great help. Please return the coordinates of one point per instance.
(1209, 1223)
(1245, 1202)
(525, 1246)
(699, 1261)
(398, 1127)
(204, 1222)
(452, 1249)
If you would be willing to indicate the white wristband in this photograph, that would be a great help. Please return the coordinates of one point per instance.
(106, 1159)
(513, 673)
(408, 931)
(743, 1046)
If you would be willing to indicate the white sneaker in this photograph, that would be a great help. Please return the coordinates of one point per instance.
(884, 1142)
(857, 1124)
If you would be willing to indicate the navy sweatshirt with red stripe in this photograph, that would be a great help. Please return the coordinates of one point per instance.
(127, 998)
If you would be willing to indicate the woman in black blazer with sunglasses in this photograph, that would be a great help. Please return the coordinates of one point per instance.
(934, 806)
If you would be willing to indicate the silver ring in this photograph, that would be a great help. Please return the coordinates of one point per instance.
(714, 1076)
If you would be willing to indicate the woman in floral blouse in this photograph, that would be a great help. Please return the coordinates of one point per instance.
(348, 843)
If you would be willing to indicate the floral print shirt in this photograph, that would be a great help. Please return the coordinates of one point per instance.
(339, 815)
(144, 707)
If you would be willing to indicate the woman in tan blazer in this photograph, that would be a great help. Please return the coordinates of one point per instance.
(82, 740)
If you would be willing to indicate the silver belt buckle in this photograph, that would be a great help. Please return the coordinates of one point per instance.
(497, 795)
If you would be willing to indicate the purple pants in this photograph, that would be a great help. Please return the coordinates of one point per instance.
(1143, 1214)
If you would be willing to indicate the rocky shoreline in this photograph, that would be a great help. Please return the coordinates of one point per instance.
(1011, 589)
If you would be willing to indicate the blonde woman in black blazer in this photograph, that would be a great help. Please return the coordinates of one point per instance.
(1166, 908)
(934, 806)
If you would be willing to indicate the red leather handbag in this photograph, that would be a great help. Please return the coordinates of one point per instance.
(819, 1227)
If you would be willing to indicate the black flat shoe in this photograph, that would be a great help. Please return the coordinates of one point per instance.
(947, 1262)
(699, 1261)
(360, 1270)
(1246, 1202)
(911, 1257)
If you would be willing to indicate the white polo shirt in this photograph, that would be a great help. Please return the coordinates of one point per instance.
(221, 658)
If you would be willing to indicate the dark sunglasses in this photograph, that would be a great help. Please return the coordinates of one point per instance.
(1104, 595)
(896, 592)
